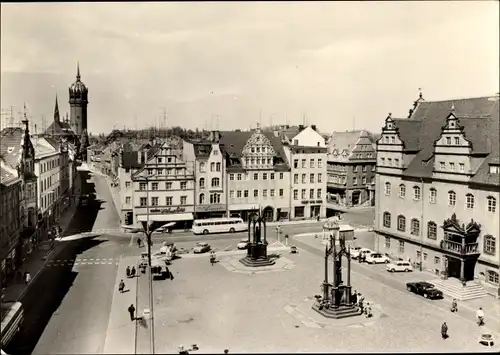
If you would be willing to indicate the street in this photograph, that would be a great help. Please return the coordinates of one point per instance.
(67, 306)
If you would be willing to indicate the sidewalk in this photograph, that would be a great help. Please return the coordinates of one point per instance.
(40, 256)
(121, 334)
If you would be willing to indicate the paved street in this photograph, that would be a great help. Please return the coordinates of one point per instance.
(217, 309)
(67, 306)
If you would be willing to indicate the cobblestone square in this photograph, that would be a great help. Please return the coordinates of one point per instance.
(264, 312)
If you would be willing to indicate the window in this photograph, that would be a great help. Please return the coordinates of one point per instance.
(432, 230)
(452, 198)
(154, 201)
(387, 189)
(457, 141)
(311, 178)
(415, 227)
(401, 223)
(201, 199)
(311, 163)
(272, 192)
(296, 163)
(238, 177)
(142, 186)
(256, 176)
(127, 199)
(168, 186)
(231, 194)
(264, 193)
(255, 193)
(363, 180)
(389, 161)
(281, 176)
(238, 193)
(452, 166)
(492, 277)
(202, 183)
(402, 191)
(364, 168)
(154, 186)
(320, 177)
(396, 162)
(303, 178)
(494, 169)
(168, 201)
(425, 256)
(303, 194)
(387, 220)
(264, 176)
(216, 152)
(303, 163)
(217, 167)
(492, 203)
(282, 192)
(160, 171)
(437, 260)
(448, 140)
(231, 177)
(489, 244)
(318, 193)
(416, 193)
(320, 163)
(214, 198)
(311, 194)
(442, 165)
(245, 193)
(469, 201)
(355, 180)
(432, 195)
(212, 166)
(401, 246)
(271, 177)
(150, 171)
(143, 201)
(461, 167)
(382, 161)
(215, 182)
(295, 178)
(127, 184)
(387, 243)
(295, 194)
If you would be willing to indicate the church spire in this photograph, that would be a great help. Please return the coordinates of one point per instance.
(77, 71)
(57, 118)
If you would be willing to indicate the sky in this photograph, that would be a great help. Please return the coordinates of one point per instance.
(234, 65)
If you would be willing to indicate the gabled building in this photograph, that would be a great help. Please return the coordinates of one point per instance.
(351, 169)
(211, 193)
(164, 186)
(258, 174)
(307, 156)
(438, 188)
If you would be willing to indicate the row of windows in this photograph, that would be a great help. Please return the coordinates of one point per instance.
(265, 176)
(489, 240)
(155, 201)
(215, 182)
(455, 139)
(213, 167)
(244, 193)
(304, 178)
(169, 171)
(390, 162)
(213, 197)
(452, 197)
(461, 166)
(258, 161)
(312, 163)
(343, 179)
(143, 186)
(303, 194)
(51, 164)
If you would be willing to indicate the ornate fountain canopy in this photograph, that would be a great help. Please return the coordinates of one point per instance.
(331, 224)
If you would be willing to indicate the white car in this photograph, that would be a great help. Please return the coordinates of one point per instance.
(399, 266)
(201, 248)
(362, 251)
(243, 244)
(355, 251)
(377, 258)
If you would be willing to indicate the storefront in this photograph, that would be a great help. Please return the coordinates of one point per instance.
(243, 210)
(210, 211)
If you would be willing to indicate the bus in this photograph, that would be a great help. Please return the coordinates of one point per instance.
(219, 225)
(12, 315)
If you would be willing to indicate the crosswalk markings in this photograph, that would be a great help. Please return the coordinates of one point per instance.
(86, 261)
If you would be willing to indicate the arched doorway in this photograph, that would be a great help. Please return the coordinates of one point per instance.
(356, 197)
(268, 214)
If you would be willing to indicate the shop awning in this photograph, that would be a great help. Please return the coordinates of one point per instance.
(174, 217)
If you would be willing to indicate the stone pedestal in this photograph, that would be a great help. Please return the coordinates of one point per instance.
(342, 311)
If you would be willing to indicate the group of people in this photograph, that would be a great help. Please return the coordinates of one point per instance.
(359, 300)
(454, 308)
(131, 272)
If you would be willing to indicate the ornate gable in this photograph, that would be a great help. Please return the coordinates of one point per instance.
(258, 152)
(452, 133)
(453, 225)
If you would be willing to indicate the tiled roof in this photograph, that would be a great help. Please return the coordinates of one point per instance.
(6, 177)
(408, 130)
(59, 128)
(10, 145)
(343, 141)
(478, 116)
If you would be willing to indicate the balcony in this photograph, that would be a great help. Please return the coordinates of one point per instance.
(459, 248)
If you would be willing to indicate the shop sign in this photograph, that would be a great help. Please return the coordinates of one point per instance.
(211, 208)
(167, 210)
(305, 202)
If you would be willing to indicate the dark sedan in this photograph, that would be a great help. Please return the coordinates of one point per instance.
(425, 289)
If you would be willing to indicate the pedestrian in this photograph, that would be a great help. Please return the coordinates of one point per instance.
(131, 311)
(27, 277)
(354, 298)
(133, 271)
(121, 286)
(444, 330)
(138, 242)
(127, 271)
(454, 306)
(368, 310)
(480, 316)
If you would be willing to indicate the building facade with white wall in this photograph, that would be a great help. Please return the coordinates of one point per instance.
(438, 188)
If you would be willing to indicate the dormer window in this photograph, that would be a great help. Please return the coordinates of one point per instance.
(448, 140)
(494, 169)
(457, 141)
(442, 165)
(295, 142)
(393, 139)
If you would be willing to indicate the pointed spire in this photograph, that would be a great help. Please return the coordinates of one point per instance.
(57, 118)
(452, 107)
(420, 93)
(77, 71)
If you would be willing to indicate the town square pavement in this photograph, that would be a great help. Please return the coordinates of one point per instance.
(216, 309)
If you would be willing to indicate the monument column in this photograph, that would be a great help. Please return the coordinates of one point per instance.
(348, 286)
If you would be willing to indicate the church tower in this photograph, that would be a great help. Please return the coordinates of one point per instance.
(78, 101)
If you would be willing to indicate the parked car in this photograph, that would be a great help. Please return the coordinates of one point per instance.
(425, 289)
(377, 258)
(355, 251)
(201, 248)
(243, 244)
(362, 251)
(400, 266)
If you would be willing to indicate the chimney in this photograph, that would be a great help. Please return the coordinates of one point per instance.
(301, 127)
(313, 126)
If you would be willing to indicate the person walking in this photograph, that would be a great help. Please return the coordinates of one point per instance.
(354, 297)
(127, 271)
(121, 286)
(139, 242)
(444, 330)
(27, 278)
(131, 311)
(480, 316)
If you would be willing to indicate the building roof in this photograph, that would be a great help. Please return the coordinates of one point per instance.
(478, 116)
(202, 149)
(59, 128)
(358, 142)
(10, 145)
(6, 177)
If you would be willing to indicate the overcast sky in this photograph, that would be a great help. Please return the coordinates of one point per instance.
(338, 64)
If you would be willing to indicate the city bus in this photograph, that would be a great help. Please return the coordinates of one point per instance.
(12, 315)
(219, 225)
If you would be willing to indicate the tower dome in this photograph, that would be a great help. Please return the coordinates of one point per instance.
(78, 88)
